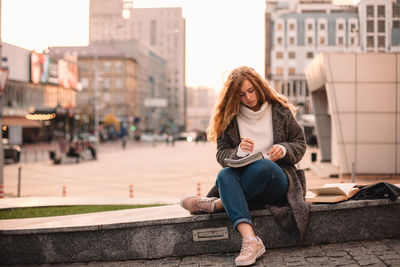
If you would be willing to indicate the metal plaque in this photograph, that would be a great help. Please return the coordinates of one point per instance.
(207, 234)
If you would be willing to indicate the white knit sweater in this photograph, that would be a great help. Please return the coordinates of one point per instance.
(257, 126)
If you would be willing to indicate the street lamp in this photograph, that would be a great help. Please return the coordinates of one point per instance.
(96, 100)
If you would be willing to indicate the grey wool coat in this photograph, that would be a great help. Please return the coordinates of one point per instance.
(288, 133)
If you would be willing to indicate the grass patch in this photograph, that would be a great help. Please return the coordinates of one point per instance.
(35, 212)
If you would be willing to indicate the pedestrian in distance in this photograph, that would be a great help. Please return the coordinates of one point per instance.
(251, 117)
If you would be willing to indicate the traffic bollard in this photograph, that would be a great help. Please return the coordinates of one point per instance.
(1, 191)
(64, 191)
(131, 191)
(198, 189)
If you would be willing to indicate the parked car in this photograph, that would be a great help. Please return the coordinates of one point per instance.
(12, 152)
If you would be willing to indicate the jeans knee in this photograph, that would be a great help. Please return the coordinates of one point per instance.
(224, 176)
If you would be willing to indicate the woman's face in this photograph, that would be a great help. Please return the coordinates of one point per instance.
(248, 96)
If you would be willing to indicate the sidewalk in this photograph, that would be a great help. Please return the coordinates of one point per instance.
(384, 252)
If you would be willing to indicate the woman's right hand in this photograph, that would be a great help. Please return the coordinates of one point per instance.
(246, 145)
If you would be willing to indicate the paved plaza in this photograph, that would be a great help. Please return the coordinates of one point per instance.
(155, 171)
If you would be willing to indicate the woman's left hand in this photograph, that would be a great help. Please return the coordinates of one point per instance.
(275, 153)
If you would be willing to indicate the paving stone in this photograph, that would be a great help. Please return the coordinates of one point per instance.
(393, 263)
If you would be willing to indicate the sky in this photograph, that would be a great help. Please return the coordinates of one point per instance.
(220, 34)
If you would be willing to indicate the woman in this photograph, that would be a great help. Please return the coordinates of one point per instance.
(251, 117)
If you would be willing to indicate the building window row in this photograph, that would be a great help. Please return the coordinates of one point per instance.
(371, 11)
(292, 55)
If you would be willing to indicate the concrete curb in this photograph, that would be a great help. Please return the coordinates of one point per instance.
(175, 233)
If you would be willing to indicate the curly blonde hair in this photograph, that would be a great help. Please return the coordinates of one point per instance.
(228, 103)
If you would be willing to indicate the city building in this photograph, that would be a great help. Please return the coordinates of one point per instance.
(296, 31)
(152, 113)
(109, 75)
(162, 29)
(201, 103)
(356, 99)
(39, 97)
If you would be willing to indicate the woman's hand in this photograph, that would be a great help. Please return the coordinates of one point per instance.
(246, 145)
(275, 153)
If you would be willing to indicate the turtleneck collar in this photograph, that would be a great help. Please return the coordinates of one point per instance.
(253, 116)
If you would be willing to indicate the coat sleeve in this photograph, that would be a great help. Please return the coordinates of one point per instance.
(295, 143)
(227, 146)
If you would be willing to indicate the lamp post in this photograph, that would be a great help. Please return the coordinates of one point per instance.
(96, 101)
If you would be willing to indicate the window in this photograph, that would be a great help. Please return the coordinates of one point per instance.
(118, 82)
(352, 40)
(381, 26)
(396, 24)
(85, 83)
(322, 40)
(352, 27)
(381, 11)
(309, 26)
(118, 98)
(279, 55)
(381, 41)
(292, 55)
(370, 11)
(370, 26)
(370, 41)
(309, 40)
(310, 54)
(279, 71)
(291, 40)
(292, 71)
(82, 67)
(118, 66)
(107, 66)
(340, 40)
(106, 83)
(291, 26)
(107, 98)
(340, 26)
(279, 26)
(322, 27)
(396, 10)
(279, 40)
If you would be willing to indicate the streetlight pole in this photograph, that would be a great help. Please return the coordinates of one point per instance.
(1, 128)
(96, 101)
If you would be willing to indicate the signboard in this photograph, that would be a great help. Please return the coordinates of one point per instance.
(39, 68)
(63, 72)
(155, 102)
(3, 79)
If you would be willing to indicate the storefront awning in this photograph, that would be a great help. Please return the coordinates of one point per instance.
(20, 121)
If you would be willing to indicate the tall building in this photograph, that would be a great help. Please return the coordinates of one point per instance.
(162, 29)
(299, 30)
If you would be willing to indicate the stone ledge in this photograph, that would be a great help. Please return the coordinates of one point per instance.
(173, 235)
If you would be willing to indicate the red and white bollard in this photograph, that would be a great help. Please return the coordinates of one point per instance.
(131, 191)
(64, 191)
(198, 189)
(1, 191)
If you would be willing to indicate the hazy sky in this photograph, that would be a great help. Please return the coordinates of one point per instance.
(220, 34)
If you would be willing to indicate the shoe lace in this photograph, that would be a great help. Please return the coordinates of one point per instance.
(246, 248)
(205, 205)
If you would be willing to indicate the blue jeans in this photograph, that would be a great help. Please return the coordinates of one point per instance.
(262, 181)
